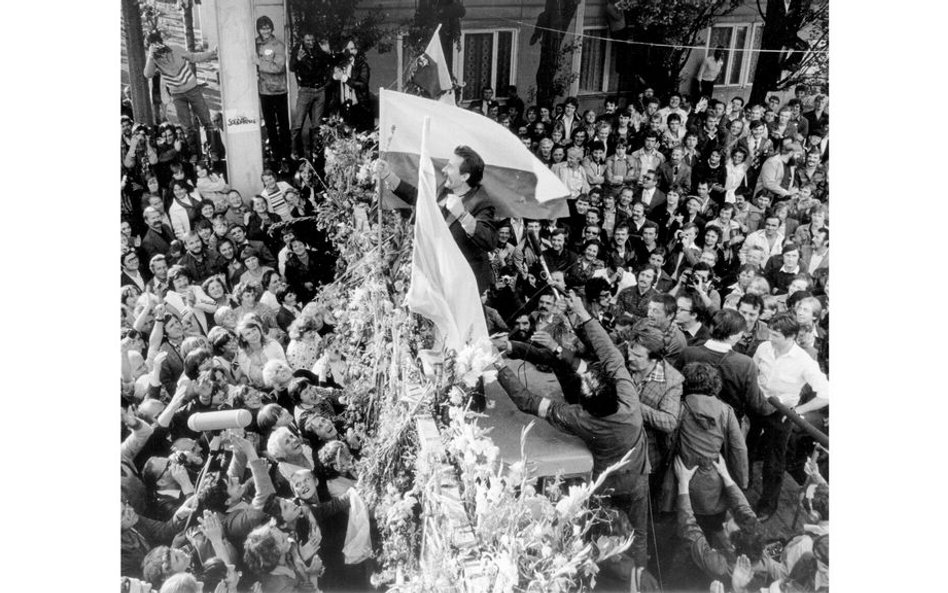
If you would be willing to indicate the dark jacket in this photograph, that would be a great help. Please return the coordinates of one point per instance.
(314, 70)
(154, 243)
(475, 248)
(608, 438)
(739, 386)
(707, 429)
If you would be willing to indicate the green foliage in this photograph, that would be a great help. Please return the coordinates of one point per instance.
(339, 19)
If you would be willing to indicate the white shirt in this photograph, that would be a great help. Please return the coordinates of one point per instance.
(785, 376)
(647, 195)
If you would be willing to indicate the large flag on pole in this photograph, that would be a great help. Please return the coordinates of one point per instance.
(518, 183)
(443, 287)
(432, 72)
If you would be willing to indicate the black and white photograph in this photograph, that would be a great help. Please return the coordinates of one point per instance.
(481, 296)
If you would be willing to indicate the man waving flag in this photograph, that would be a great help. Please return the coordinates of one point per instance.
(518, 183)
(443, 287)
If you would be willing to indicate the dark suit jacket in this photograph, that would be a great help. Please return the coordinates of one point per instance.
(667, 178)
(658, 200)
(476, 247)
(128, 281)
(154, 243)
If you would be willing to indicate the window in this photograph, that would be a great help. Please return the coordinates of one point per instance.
(487, 58)
(597, 71)
(739, 63)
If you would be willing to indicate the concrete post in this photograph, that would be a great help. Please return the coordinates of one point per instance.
(240, 104)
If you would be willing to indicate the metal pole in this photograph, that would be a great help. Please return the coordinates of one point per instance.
(818, 435)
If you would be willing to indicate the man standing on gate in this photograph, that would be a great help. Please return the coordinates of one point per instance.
(174, 65)
(312, 65)
(465, 205)
(271, 84)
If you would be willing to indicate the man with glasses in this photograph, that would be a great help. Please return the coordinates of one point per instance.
(650, 196)
(688, 317)
(131, 275)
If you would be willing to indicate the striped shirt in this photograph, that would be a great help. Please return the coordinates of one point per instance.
(276, 200)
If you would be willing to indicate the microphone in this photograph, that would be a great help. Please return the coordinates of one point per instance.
(204, 421)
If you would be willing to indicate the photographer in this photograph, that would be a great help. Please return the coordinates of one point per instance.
(174, 65)
(503, 295)
(701, 280)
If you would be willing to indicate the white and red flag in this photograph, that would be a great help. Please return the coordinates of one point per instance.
(518, 183)
(443, 287)
(432, 72)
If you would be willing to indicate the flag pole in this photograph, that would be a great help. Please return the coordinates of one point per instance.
(378, 199)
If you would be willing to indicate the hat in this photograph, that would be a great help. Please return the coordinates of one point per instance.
(695, 198)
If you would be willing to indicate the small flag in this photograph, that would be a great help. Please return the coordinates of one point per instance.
(432, 72)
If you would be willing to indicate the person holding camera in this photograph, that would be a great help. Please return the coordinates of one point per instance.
(312, 64)
(699, 279)
(174, 64)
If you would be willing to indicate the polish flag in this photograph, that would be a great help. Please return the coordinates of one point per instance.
(443, 287)
(517, 182)
(432, 72)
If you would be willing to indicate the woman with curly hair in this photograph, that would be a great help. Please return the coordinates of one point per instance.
(247, 295)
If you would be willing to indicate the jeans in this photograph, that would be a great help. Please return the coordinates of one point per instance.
(187, 106)
(277, 122)
(774, 436)
(310, 102)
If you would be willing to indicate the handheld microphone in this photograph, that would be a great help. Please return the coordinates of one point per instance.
(204, 421)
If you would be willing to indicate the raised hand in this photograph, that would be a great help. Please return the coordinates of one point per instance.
(211, 526)
(544, 339)
(742, 574)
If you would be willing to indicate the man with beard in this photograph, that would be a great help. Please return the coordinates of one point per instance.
(773, 174)
(632, 302)
(199, 261)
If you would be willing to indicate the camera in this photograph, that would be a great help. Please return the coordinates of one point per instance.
(179, 457)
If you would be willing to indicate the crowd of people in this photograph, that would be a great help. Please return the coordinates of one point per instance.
(686, 289)
(697, 240)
